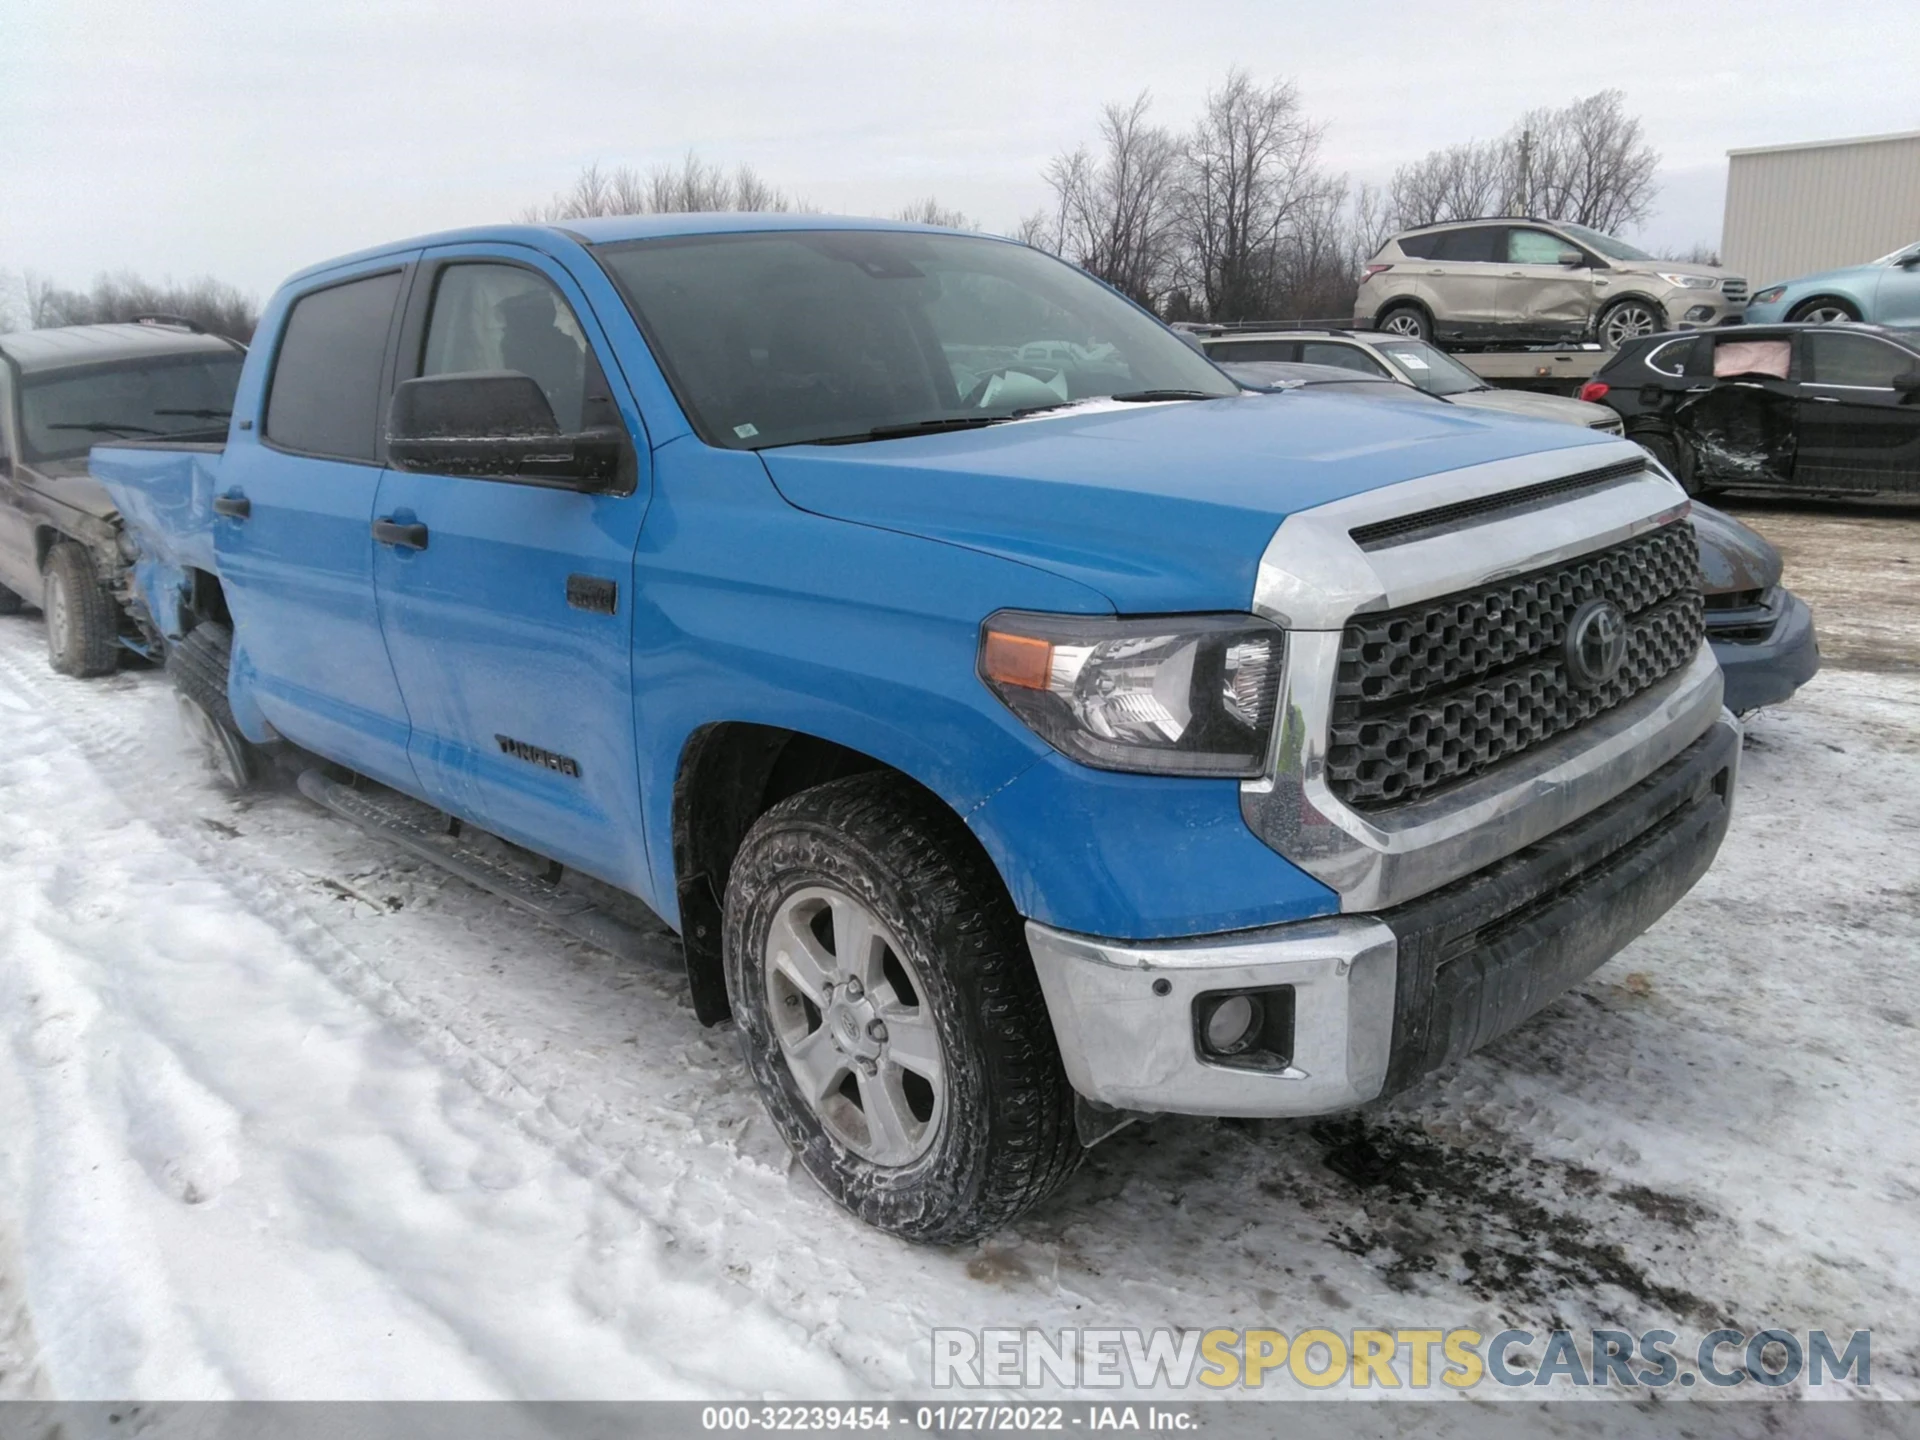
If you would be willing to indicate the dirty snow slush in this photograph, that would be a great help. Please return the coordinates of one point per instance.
(284, 1113)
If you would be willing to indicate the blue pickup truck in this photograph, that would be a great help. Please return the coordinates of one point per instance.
(1023, 727)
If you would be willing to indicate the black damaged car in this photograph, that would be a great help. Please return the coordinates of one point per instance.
(1805, 409)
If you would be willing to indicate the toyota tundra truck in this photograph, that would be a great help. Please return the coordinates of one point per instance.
(1023, 727)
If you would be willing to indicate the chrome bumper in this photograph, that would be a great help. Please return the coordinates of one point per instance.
(1374, 1002)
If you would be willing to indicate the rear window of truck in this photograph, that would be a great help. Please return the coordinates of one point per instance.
(324, 398)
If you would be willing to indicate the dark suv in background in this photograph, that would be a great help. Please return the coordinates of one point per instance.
(63, 390)
(1519, 279)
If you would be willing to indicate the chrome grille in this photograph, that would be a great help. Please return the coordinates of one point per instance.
(1434, 693)
(1734, 288)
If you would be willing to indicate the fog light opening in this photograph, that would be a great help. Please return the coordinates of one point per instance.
(1230, 1024)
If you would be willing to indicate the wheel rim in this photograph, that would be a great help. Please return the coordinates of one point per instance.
(1629, 322)
(1826, 315)
(59, 617)
(1403, 323)
(219, 750)
(850, 1015)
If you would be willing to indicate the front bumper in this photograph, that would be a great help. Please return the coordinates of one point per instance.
(1376, 1001)
(1765, 654)
(1702, 310)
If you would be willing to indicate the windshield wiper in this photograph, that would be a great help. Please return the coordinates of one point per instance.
(199, 414)
(101, 426)
(1137, 397)
(934, 426)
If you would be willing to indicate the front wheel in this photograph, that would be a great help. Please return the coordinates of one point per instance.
(1629, 320)
(890, 1014)
(1824, 311)
(83, 631)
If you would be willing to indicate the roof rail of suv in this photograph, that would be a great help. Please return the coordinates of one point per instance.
(174, 321)
(1480, 220)
(1245, 327)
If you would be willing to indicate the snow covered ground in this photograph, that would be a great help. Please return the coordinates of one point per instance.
(284, 1114)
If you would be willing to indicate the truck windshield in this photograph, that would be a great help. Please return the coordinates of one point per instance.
(1434, 371)
(786, 337)
(64, 413)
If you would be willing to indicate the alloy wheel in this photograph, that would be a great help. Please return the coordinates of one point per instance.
(854, 1026)
(1403, 322)
(1628, 322)
(1826, 315)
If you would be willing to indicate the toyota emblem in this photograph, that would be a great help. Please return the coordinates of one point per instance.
(1596, 644)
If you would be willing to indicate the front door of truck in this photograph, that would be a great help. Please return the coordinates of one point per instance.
(294, 497)
(1858, 430)
(508, 607)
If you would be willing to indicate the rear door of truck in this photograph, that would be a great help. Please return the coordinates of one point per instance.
(292, 510)
(508, 605)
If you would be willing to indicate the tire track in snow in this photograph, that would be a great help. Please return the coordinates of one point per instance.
(664, 1188)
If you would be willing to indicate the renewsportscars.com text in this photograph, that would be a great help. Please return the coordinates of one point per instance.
(1392, 1359)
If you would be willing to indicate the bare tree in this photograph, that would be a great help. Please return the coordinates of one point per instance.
(1249, 180)
(1587, 162)
(691, 185)
(1698, 253)
(206, 302)
(929, 211)
(1114, 213)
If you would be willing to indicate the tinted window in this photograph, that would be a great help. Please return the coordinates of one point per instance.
(1476, 243)
(1347, 357)
(781, 337)
(504, 317)
(1420, 247)
(1241, 351)
(325, 395)
(1840, 359)
(65, 412)
(1534, 247)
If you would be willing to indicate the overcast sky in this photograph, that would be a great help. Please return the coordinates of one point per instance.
(246, 139)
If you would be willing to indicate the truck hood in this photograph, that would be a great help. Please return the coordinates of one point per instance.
(1563, 408)
(1159, 507)
(68, 482)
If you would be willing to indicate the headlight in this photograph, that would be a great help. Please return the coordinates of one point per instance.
(1769, 295)
(1691, 282)
(1177, 695)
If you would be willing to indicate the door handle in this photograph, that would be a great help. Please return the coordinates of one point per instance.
(404, 537)
(234, 507)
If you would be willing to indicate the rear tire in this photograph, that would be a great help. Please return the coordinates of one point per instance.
(927, 1099)
(198, 667)
(1408, 320)
(10, 603)
(1824, 310)
(83, 623)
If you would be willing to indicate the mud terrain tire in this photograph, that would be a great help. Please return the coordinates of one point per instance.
(83, 624)
(198, 667)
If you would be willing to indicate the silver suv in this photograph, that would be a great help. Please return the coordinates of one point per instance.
(1526, 280)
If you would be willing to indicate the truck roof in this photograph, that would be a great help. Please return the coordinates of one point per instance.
(613, 228)
(62, 346)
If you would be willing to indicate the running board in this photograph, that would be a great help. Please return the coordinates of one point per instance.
(407, 824)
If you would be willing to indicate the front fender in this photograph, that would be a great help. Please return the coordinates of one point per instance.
(748, 609)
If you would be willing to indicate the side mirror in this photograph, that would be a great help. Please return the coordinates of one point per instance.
(1572, 259)
(496, 425)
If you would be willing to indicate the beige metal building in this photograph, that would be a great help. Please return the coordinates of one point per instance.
(1792, 209)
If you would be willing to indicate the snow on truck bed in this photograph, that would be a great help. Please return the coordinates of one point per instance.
(284, 1114)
